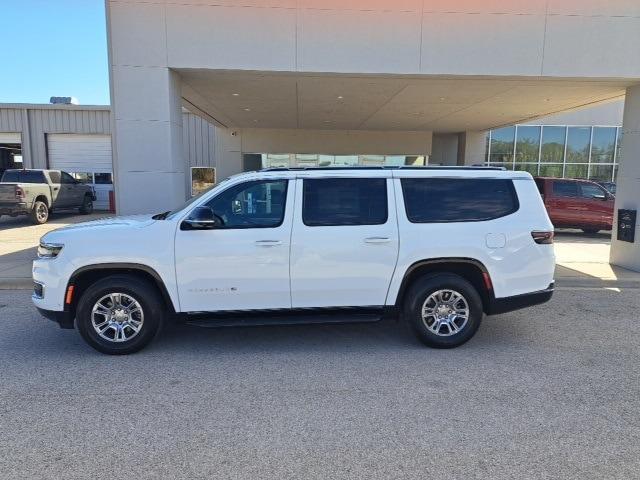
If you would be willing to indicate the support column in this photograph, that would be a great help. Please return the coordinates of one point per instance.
(626, 254)
(472, 148)
(149, 167)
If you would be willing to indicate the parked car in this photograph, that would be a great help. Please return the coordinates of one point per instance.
(609, 186)
(440, 246)
(38, 192)
(580, 204)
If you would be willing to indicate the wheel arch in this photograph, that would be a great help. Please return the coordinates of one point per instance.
(84, 276)
(42, 198)
(470, 269)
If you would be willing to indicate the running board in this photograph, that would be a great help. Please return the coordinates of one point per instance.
(285, 317)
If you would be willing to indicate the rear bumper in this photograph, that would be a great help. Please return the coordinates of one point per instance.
(509, 304)
(64, 318)
(13, 208)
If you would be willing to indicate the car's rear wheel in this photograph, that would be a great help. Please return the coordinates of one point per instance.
(444, 310)
(87, 205)
(40, 212)
(120, 314)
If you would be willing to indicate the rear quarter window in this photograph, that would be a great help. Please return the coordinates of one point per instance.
(442, 200)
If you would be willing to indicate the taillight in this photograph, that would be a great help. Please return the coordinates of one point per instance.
(19, 193)
(543, 238)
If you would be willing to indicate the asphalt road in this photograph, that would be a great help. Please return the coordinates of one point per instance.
(550, 392)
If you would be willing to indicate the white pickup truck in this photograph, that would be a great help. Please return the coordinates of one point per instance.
(38, 192)
(438, 247)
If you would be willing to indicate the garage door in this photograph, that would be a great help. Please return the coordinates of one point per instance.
(10, 137)
(87, 158)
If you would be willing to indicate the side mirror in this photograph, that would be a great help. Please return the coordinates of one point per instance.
(202, 218)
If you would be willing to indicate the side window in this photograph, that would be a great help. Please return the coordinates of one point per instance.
(66, 178)
(54, 176)
(440, 200)
(344, 201)
(590, 191)
(257, 204)
(565, 189)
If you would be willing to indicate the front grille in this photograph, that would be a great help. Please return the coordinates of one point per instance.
(38, 290)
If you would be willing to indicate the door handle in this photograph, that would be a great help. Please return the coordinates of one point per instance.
(55, 189)
(377, 240)
(268, 243)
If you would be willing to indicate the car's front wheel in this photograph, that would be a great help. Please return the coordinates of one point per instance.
(119, 314)
(444, 310)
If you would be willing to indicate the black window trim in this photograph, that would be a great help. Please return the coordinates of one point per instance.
(386, 205)
(255, 180)
(512, 188)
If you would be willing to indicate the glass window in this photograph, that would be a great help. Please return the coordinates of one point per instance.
(431, 200)
(601, 172)
(66, 178)
(83, 177)
(257, 204)
(578, 139)
(103, 178)
(32, 176)
(202, 178)
(344, 201)
(619, 146)
(54, 176)
(11, 176)
(502, 144)
(532, 168)
(550, 170)
(589, 190)
(553, 144)
(565, 189)
(603, 145)
(576, 171)
(527, 144)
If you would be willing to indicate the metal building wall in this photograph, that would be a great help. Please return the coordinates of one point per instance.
(35, 121)
(199, 144)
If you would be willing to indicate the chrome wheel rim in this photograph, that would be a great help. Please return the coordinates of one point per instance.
(41, 212)
(117, 317)
(445, 312)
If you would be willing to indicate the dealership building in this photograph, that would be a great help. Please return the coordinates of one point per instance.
(310, 82)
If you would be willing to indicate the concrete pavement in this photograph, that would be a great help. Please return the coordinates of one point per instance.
(549, 392)
(19, 241)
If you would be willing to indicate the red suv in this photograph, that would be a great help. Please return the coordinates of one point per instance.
(577, 203)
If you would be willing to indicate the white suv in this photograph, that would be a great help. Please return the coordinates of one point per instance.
(439, 247)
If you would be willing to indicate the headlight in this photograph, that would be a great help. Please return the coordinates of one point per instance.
(49, 250)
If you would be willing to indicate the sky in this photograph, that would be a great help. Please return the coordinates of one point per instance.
(53, 48)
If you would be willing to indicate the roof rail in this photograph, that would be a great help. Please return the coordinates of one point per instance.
(381, 167)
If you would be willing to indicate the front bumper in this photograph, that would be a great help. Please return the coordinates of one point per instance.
(63, 318)
(509, 304)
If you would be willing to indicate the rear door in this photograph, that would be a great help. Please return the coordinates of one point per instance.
(55, 180)
(344, 244)
(563, 202)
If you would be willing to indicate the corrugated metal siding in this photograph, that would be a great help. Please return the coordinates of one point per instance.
(10, 120)
(47, 121)
(199, 144)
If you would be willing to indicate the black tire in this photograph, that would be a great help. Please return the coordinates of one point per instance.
(39, 213)
(590, 231)
(87, 205)
(143, 292)
(416, 298)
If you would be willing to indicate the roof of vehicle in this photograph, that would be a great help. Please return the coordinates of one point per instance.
(383, 167)
(567, 179)
(29, 170)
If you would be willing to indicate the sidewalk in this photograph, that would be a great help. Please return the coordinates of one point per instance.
(18, 244)
(582, 260)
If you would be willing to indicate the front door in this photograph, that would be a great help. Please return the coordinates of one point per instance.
(244, 264)
(344, 242)
(69, 192)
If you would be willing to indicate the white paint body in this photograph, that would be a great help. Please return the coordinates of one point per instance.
(226, 269)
